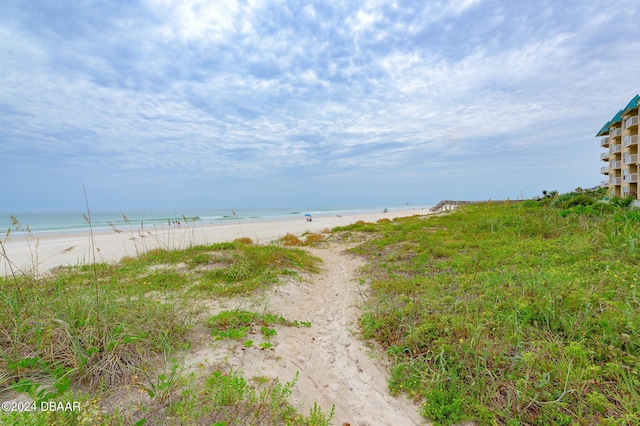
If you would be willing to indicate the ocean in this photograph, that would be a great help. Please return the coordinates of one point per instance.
(65, 222)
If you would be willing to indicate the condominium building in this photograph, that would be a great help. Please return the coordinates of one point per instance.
(620, 137)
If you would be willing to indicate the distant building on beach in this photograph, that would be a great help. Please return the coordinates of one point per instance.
(620, 137)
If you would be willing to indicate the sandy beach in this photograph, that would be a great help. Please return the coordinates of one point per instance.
(41, 253)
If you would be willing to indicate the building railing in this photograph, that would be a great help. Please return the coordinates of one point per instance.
(604, 170)
(631, 121)
(604, 143)
(630, 178)
(613, 164)
(616, 181)
(616, 148)
(630, 158)
(604, 184)
(604, 156)
(630, 140)
(614, 133)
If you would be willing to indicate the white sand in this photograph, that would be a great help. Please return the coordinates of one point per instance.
(48, 251)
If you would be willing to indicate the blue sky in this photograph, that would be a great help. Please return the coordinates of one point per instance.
(210, 104)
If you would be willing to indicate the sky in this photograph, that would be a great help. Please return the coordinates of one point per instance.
(215, 104)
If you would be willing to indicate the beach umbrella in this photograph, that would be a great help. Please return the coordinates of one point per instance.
(307, 214)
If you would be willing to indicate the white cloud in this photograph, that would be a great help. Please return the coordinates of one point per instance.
(458, 7)
(231, 88)
(204, 21)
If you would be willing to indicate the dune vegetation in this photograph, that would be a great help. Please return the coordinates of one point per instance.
(510, 313)
(81, 335)
(522, 313)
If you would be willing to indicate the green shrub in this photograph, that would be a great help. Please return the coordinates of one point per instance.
(622, 202)
(579, 200)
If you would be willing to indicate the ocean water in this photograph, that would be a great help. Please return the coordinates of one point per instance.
(64, 222)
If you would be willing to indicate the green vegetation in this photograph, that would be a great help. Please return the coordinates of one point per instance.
(499, 313)
(228, 398)
(84, 333)
(523, 313)
(309, 240)
(238, 323)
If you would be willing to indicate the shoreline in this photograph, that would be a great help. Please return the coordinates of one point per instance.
(43, 252)
(63, 222)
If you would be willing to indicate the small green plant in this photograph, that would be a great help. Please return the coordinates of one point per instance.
(232, 333)
(228, 398)
(237, 323)
(265, 345)
(443, 406)
(165, 383)
(268, 332)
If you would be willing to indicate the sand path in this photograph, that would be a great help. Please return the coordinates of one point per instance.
(335, 367)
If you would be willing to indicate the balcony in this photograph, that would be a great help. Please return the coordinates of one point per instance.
(604, 143)
(613, 164)
(615, 133)
(604, 184)
(604, 156)
(604, 170)
(630, 140)
(616, 181)
(631, 122)
(630, 159)
(630, 178)
(616, 148)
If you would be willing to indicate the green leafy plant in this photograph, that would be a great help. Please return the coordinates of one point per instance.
(162, 386)
(228, 398)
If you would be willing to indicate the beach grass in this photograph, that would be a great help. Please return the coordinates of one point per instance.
(83, 333)
(503, 313)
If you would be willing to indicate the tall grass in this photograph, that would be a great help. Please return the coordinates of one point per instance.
(84, 332)
(516, 314)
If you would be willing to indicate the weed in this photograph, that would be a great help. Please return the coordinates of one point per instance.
(290, 240)
(265, 345)
(165, 383)
(228, 398)
(243, 240)
(237, 324)
(311, 239)
(267, 331)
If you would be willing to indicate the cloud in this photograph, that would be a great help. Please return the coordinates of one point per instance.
(263, 89)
